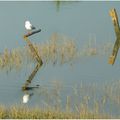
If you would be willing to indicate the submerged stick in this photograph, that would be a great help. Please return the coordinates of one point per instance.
(30, 78)
(33, 50)
(36, 56)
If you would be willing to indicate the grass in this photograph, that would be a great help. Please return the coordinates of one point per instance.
(21, 112)
(88, 100)
(85, 102)
(57, 50)
(60, 49)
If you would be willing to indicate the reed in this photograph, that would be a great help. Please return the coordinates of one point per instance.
(85, 102)
(22, 112)
(50, 52)
(3, 112)
(59, 49)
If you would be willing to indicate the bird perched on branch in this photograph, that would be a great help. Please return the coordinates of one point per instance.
(29, 26)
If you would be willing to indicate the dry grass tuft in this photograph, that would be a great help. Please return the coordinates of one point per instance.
(18, 112)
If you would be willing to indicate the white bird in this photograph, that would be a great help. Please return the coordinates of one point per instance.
(26, 97)
(29, 26)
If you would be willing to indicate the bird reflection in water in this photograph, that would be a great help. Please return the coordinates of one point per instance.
(28, 93)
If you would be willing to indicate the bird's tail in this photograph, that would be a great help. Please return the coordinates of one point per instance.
(33, 28)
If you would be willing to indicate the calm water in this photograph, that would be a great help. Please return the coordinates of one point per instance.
(77, 20)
